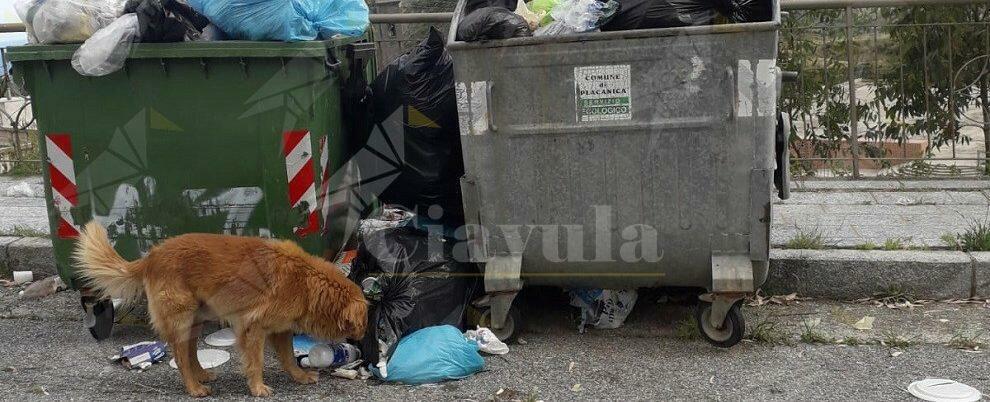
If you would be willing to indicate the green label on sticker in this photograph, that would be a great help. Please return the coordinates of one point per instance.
(602, 93)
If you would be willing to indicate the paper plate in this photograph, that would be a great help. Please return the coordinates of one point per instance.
(222, 338)
(938, 390)
(208, 358)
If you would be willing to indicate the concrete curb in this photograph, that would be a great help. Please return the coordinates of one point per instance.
(27, 254)
(824, 274)
(853, 274)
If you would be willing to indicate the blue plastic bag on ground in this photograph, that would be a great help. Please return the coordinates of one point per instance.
(432, 354)
(285, 20)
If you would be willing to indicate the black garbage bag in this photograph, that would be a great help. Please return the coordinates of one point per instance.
(645, 14)
(747, 10)
(492, 23)
(356, 96)
(421, 82)
(166, 20)
(421, 285)
(471, 5)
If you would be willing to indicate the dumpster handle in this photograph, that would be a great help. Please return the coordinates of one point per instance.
(332, 62)
(491, 110)
(735, 94)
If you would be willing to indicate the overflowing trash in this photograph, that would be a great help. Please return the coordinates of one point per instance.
(142, 21)
(412, 282)
(492, 23)
(603, 308)
(141, 355)
(431, 355)
(421, 82)
(65, 21)
(107, 28)
(646, 14)
(166, 20)
(562, 17)
(487, 341)
(576, 16)
(288, 21)
(43, 288)
(107, 50)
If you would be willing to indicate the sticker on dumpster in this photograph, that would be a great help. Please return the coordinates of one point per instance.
(602, 93)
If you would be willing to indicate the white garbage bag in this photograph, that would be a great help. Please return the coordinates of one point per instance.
(106, 51)
(65, 21)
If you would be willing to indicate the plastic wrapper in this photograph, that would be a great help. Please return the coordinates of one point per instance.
(532, 19)
(107, 50)
(582, 15)
(285, 20)
(492, 23)
(603, 308)
(391, 217)
(542, 9)
(419, 284)
(65, 21)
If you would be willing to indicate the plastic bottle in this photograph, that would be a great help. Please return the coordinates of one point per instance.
(338, 354)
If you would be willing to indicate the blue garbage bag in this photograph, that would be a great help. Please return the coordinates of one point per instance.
(285, 20)
(432, 354)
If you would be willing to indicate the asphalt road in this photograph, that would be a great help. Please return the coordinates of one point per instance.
(45, 354)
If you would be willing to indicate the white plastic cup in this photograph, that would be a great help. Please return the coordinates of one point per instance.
(23, 277)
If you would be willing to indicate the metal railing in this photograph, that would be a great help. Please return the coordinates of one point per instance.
(18, 144)
(916, 115)
(846, 59)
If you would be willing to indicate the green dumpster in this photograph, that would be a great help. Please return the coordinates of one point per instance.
(216, 137)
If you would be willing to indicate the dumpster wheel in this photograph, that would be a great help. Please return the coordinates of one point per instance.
(731, 331)
(510, 331)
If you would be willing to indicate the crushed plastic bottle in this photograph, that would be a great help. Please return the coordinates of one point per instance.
(334, 355)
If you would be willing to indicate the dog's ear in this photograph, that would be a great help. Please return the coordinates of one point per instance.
(354, 319)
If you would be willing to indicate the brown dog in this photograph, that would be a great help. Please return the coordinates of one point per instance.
(265, 289)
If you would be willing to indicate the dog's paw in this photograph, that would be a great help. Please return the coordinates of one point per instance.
(305, 377)
(261, 390)
(198, 391)
(206, 376)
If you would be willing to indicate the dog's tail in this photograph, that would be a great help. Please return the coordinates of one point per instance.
(103, 269)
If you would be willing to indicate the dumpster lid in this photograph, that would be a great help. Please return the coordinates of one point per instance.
(199, 49)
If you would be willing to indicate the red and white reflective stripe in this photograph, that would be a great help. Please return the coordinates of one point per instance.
(298, 151)
(324, 202)
(62, 176)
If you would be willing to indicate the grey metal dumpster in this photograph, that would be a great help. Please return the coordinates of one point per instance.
(620, 160)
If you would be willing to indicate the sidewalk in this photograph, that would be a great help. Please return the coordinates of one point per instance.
(846, 214)
(851, 214)
(792, 353)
